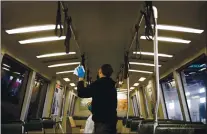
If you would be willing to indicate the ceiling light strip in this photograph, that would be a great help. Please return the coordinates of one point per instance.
(64, 72)
(152, 54)
(142, 79)
(5, 69)
(140, 71)
(43, 39)
(169, 39)
(144, 64)
(66, 79)
(6, 65)
(32, 29)
(64, 64)
(55, 54)
(179, 29)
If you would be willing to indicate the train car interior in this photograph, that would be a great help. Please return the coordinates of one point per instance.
(157, 49)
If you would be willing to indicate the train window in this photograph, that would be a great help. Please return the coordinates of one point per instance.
(37, 101)
(73, 108)
(194, 80)
(57, 100)
(72, 104)
(171, 98)
(14, 77)
(135, 106)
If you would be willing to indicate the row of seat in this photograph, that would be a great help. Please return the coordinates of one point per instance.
(21, 127)
(142, 126)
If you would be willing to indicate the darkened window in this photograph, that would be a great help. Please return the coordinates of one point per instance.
(171, 98)
(194, 80)
(14, 77)
(37, 101)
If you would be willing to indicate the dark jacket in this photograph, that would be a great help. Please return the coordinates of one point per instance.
(104, 99)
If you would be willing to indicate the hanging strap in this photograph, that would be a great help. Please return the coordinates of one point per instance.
(137, 46)
(88, 76)
(83, 60)
(68, 35)
(66, 18)
(58, 20)
(149, 15)
(126, 65)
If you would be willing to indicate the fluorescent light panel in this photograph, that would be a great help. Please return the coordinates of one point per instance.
(187, 93)
(5, 69)
(72, 84)
(64, 72)
(195, 97)
(43, 39)
(132, 88)
(136, 84)
(6, 65)
(54, 54)
(203, 100)
(169, 39)
(140, 71)
(179, 29)
(64, 64)
(202, 90)
(32, 29)
(144, 64)
(142, 79)
(120, 82)
(66, 79)
(202, 69)
(192, 72)
(16, 72)
(152, 54)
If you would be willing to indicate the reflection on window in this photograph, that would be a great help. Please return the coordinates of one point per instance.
(57, 100)
(171, 98)
(194, 79)
(38, 97)
(14, 78)
(135, 106)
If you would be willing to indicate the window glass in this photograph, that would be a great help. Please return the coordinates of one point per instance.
(194, 79)
(74, 105)
(57, 100)
(135, 105)
(37, 101)
(171, 98)
(14, 77)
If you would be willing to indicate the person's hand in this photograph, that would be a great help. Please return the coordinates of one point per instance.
(80, 72)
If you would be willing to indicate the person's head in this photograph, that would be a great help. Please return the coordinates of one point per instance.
(89, 106)
(105, 71)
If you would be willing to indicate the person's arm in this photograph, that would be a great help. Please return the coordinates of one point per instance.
(85, 92)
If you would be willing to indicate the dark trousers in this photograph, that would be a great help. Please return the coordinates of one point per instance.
(105, 128)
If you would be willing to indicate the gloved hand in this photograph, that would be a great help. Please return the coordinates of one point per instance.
(79, 71)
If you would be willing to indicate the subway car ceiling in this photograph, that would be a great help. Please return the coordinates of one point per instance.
(103, 30)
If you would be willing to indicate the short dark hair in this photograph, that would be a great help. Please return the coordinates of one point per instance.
(107, 70)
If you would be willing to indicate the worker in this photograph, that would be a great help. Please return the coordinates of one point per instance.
(104, 99)
(89, 128)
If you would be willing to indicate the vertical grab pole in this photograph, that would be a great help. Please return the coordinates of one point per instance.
(128, 104)
(156, 68)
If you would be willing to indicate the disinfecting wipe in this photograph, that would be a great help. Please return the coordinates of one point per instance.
(76, 69)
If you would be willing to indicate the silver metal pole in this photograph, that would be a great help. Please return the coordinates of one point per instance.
(156, 68)
(128, 103)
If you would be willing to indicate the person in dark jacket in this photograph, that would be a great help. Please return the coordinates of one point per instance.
(104, 99)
